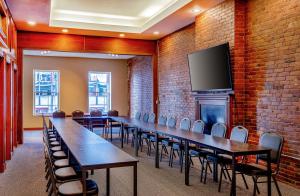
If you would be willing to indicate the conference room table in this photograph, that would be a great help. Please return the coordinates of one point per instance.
(91, 151)
(218, 144)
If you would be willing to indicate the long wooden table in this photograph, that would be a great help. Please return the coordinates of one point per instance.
(218, 144)
(93, 152)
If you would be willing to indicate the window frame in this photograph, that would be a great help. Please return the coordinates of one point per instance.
(33, 91)
(110, 84)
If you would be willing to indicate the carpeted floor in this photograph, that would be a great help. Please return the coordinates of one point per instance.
(25, 176)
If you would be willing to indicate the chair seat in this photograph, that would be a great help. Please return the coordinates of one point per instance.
(75, 188)
(59, 154)
(55, 143)
(51, 136)
(52, 139)
(61, 163)
(65, 172)
(168, 142)
(177, 146)
(252, 169)
(56, 148)
(160, 138)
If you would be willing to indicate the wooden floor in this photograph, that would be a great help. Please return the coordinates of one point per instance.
(25, 176)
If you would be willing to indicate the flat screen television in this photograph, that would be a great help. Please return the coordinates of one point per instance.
(210, 69)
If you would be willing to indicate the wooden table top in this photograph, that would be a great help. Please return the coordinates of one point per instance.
(90, 150)
(217, 143)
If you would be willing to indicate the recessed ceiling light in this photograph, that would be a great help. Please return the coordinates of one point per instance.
(122, 35)
(31, 23)
(156, 32)
(65, 30)
(195, 10)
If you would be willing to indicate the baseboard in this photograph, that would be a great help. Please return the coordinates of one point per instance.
(33, 129)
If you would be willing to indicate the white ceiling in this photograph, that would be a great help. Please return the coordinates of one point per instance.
(130, 16)
(75, 54)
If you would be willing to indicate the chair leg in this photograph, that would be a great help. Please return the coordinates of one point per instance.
(255, 188)
(161, 152)
(276, 184)
(227, 173)
(245, 182)
(48, 185)
(171, 157)
(205, 174)
(181, 160)
(220, 180)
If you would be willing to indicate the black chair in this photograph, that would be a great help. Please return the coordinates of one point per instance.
(167, 142)
(98, 123)
(59, 114)
(113, 124)
(79, 113)
(239, 134)
(178, 146)
(128, 128)
(257, 170)
(198, 127)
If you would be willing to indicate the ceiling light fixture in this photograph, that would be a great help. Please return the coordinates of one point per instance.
(195, 10)
(31, 23)
(156, 32)
(122, 35)
(65, 30)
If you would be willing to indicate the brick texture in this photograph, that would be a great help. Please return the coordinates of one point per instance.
(140, 84)
(273, 74)
(173, 74)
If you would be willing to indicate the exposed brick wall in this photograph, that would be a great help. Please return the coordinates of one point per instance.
(264, 41)
(273, 74)
(173, 74)
(140, 84)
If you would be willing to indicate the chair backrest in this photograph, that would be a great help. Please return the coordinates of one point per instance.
(162, 120)
(96, 113)
(112, 113)
(171, 122)
(218, 129)
(198, 126)
(151, 118)
(138, 115)
(77, 113)
(274, 142)
(145, 117)
(59, 114)
(185, 124)
(239, 134)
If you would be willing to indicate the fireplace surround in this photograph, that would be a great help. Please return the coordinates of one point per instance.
(213, 108)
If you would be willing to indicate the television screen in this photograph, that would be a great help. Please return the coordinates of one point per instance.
(210, 69)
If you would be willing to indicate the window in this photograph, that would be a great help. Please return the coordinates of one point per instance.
(99, 91)
(45, 91)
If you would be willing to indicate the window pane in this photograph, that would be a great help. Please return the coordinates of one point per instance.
(46, 95)
(99, 91)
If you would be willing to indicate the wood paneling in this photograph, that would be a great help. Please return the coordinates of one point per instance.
(8, 111)
(80, 43)
(20, 96)
(2, 113)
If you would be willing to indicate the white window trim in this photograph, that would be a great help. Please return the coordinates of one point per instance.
(110, 93)
(33, 91)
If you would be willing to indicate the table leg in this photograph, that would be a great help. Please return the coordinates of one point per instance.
(122, 135)
(156, 151)
(111, 132)
(136, 145)
(269, 172)
(84, 182)
(215, 170)
(107, 181)
(233, 181)
(135, 179)
(187, 163)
